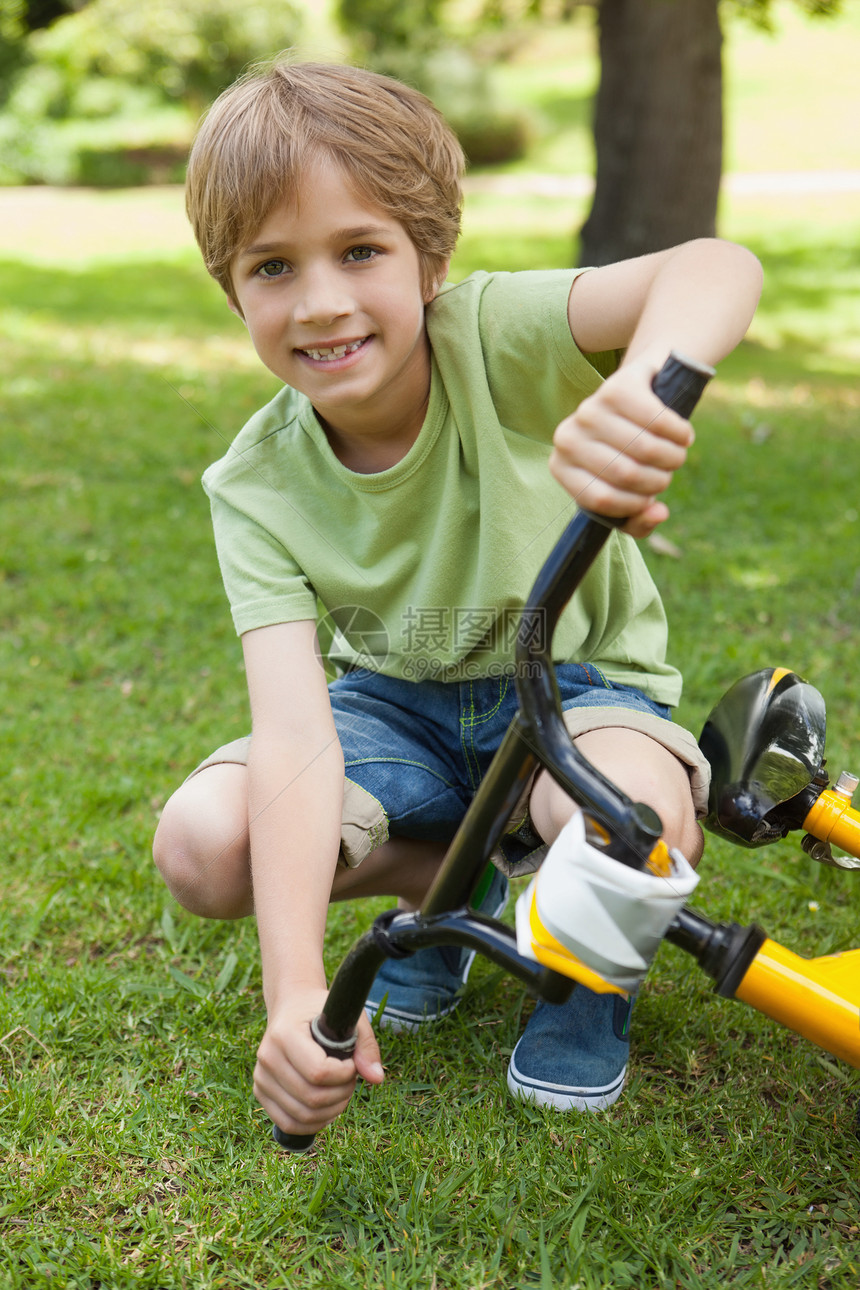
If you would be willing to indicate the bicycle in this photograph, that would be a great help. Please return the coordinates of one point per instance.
(765, 742)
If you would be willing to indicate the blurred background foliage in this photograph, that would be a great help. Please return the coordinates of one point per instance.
(107, 92)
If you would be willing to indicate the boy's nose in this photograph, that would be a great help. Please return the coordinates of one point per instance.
(322, 299)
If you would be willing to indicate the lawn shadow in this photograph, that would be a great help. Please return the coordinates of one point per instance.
(143, 295)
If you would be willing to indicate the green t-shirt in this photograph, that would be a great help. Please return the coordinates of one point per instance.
(421, 570)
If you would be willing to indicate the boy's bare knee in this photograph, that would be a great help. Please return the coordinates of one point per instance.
(201, 844)
(644, 770)
(550, 807)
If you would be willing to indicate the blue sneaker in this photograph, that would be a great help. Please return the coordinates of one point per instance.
(428, 985)
(573, 1055)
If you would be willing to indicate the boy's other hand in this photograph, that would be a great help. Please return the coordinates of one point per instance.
(299, 1087)
(620, 448)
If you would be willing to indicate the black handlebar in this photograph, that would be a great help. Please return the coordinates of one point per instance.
(680, 382)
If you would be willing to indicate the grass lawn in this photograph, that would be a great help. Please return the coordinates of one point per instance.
(134, 1154)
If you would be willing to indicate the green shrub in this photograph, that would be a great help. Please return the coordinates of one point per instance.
(494, 139)
(380, 25)
(30, 153)
(109, 168)
(13, 52)
(463, 89)
(140, 140)
(129, 167)
(190, 49)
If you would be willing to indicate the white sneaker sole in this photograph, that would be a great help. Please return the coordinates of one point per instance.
(561, 1096)
(400, 1022)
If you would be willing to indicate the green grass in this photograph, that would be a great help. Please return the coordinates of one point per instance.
(134, 1153)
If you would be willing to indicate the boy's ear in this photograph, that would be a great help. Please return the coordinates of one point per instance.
(234, 308)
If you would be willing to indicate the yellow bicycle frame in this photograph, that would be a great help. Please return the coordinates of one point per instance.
(817, 998)
(832, 819)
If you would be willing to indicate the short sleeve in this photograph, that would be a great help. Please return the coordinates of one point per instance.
(264, 584)
(536, 372)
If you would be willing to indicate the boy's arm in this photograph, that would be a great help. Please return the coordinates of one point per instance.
(295, 791)
(621, 446)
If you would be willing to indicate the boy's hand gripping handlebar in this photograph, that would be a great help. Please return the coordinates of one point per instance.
(679, 384)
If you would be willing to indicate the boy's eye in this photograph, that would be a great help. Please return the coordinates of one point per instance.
(272, 269)
(360, 254)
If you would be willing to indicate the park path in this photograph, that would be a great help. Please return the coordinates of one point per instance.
(764, 183)
(78, 223)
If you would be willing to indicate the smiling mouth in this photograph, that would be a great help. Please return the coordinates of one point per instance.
(329, 354)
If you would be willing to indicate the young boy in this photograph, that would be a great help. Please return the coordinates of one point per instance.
(407, 483)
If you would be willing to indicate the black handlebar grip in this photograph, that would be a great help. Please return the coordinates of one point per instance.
(295, 1142)
(342, 1048)
(680, 382)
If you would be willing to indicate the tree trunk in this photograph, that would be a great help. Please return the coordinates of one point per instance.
(657, 128)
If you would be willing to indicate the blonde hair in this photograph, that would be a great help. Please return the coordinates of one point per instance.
(263, 132)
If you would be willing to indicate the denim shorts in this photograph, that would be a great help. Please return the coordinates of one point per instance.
(415, 753)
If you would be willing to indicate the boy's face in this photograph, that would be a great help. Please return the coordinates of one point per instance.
(330, 290)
